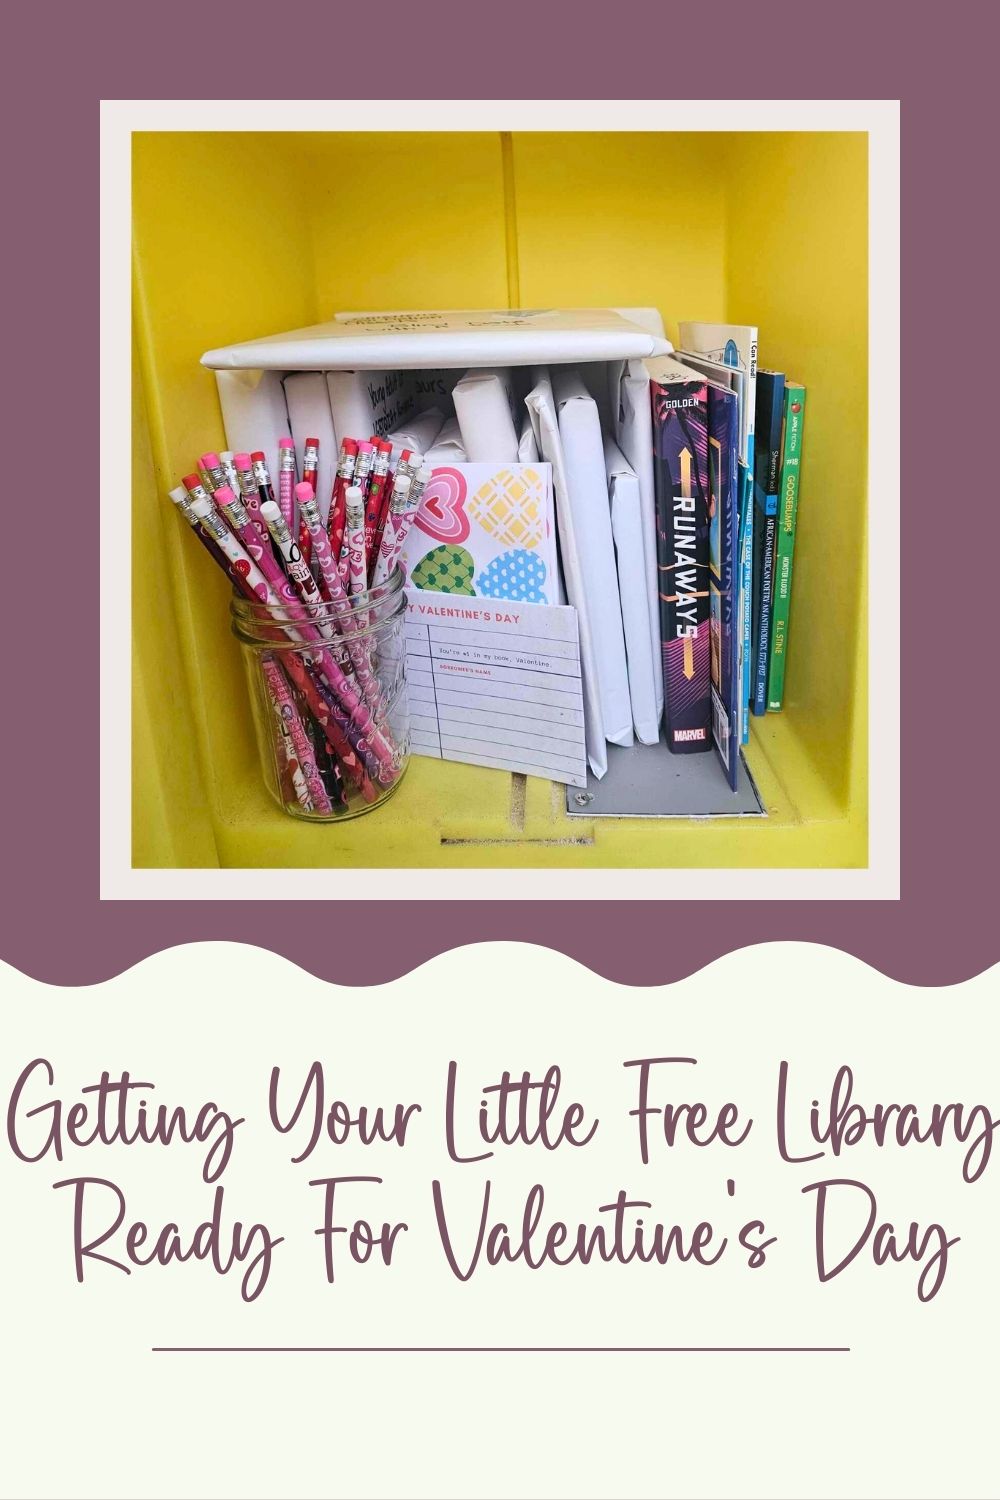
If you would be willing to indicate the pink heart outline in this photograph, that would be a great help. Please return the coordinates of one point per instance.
(442, 508)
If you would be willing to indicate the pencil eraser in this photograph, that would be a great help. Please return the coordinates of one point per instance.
(258, 457)
(179, 495)
(312, 442)
(191, 480)
(304, 492)
(285, 443)
(224, 495)
(242, 461)
(350, 445)
(384, 445)
(202, 507)
(270, 510)
(210, 460)
(365, 447)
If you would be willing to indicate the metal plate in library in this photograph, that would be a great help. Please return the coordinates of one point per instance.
(646, 781)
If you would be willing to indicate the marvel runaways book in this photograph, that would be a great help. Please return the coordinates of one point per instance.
(680, 473)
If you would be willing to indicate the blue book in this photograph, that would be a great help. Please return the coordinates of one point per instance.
(725, 664)
(746, 598)
(767, 468)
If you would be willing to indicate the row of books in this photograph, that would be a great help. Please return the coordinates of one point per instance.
(727, 442)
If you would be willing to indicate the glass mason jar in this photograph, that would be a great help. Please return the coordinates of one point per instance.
(328, 692)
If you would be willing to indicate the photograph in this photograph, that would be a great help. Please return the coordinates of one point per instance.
(519, 521)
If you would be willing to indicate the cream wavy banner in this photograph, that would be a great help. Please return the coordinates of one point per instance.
(499, 1229)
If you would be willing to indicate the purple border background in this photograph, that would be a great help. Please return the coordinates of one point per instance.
(65, 59)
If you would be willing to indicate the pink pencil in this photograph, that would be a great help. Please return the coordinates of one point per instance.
(249, 492)
(286, 481)
(362, 468)
(334, 588)
(355, 538)
(387, 551)
(249, 579)
(289, 716)
(369, 740)
(409, 515)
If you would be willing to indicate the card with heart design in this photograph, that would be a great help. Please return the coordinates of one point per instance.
(498, 520)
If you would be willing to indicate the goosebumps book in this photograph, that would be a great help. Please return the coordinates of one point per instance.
(680, 472)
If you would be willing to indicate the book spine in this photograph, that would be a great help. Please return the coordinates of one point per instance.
(680, 468)
(795, 403)
(746, 600)
(767, 467)
(724, 522)
(770, 521)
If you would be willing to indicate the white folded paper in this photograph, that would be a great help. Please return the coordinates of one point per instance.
(483, 402)
(542, 409)
(630, 556)
(633, 425)
(254, 413)
(308, 402)
(367, 401)
(583, 451)
(447, 447)
(418, 432)
(527, 443)
(446, 340)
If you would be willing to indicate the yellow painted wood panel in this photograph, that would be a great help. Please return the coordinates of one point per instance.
(797, 265)
(595, 219)
(406, 220)
(629, 220)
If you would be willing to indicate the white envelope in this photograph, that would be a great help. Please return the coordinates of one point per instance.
(583, 453)
(447, 448)
(630, 550)
(254, 413)
(308, 402)
(367, 401)
(542, 409)
(634, 432)
(483, 402)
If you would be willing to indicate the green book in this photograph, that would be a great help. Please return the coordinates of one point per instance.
(791, 453)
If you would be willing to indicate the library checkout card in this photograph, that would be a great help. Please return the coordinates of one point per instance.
(497, 685)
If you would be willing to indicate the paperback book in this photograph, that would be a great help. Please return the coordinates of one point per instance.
(791, 453)
(735, 346)
(745, 597)
(680, 475)
(724, 576)
(767, 466)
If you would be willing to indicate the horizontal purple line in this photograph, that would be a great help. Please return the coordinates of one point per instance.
(500, 1349)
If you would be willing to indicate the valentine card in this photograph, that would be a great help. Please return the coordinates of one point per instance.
(485, 530)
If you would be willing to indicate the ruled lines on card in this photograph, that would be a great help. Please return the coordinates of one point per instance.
(497, 687)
